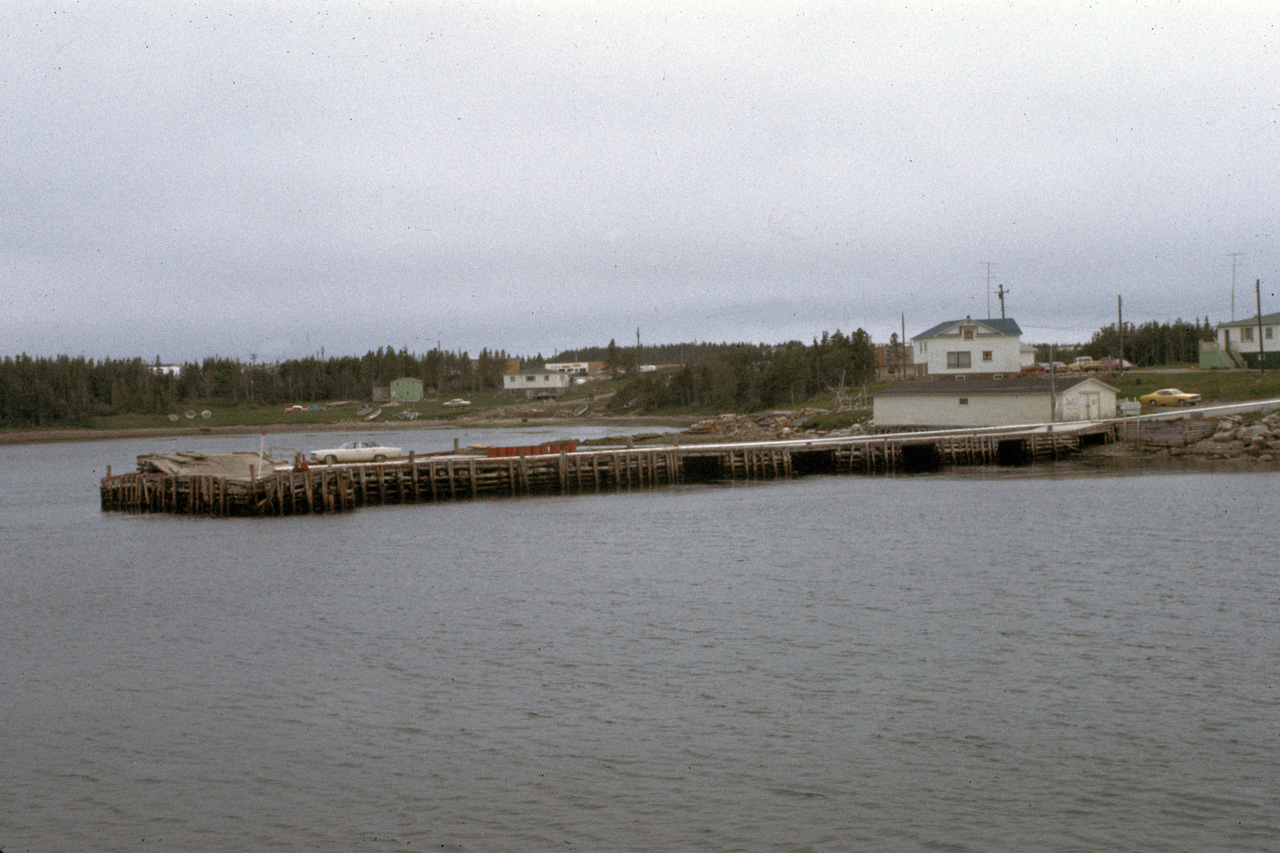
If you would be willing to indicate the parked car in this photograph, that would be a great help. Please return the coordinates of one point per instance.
(1084, 363)
(455, 403)
(293, 410)
(356, 451)
(1169, 397)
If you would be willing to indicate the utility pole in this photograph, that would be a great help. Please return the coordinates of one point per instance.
(902, 343)
(1233, 256)
(1262, 356)
(1053, 395)
(1120, 326)
(1001, 293)
(989, 265)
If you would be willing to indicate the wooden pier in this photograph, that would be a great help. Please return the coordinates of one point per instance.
(301, 489)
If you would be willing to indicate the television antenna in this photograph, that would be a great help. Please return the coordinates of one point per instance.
(988, 265)
(1233, 256)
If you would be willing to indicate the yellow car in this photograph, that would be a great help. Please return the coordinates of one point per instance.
(1170, 397)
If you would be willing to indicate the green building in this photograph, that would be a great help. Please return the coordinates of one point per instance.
(406, 389)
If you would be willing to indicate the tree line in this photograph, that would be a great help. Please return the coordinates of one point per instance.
(1151, 344)
(737, 377)
(73, 391)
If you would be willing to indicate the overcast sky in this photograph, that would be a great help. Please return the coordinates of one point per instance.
(273, 178)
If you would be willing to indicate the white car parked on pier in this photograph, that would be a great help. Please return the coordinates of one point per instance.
(356, 451)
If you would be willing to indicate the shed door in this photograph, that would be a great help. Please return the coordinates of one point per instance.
(1092, 405)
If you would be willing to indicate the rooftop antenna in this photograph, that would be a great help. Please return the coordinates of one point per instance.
(989, 265)
(1233, 256)
(1001, 293)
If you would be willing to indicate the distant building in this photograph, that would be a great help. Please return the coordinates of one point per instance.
(406, 389)
(1238, 344)
(975, 402)
(166, 369)
(535, 381)
(578, 368)
(969, 347)
(895, 361)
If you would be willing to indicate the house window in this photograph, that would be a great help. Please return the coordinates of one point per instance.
(1246, 334)
(1268, 332)
(964, 401)
(959, 360)
(986, 355)
(924, 347)
(529, 379)
(968, 334)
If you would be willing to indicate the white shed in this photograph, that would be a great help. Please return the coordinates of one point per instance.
(969, 402)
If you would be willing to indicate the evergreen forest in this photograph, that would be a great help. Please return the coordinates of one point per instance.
(74, 391)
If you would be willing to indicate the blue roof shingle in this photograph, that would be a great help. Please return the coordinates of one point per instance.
(1003, 326)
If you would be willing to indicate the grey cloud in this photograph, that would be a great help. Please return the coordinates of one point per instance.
(276, 179)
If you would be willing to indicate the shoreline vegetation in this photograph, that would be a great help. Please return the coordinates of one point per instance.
(640, 401)
(836, 371)
(1247, 439)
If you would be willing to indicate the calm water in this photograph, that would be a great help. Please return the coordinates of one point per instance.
(976, 661)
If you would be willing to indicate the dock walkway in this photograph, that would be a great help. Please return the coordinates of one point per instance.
(298, 489)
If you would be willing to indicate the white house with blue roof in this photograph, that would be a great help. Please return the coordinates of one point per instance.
(969, 347)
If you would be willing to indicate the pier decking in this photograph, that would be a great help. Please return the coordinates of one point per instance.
(299, 489)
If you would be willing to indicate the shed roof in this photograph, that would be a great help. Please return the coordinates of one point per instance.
(1267, 319)
(1001, 327)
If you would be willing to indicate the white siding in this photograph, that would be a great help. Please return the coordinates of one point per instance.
(533, 381)
(947, 410)
(1005, 350)
(1088, 400)
(1233, 338)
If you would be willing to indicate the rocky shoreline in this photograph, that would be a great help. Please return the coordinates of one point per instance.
(1236, 439)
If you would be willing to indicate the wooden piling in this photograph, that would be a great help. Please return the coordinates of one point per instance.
(347, 487)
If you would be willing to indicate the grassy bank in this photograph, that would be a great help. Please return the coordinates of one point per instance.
(1215, 386)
